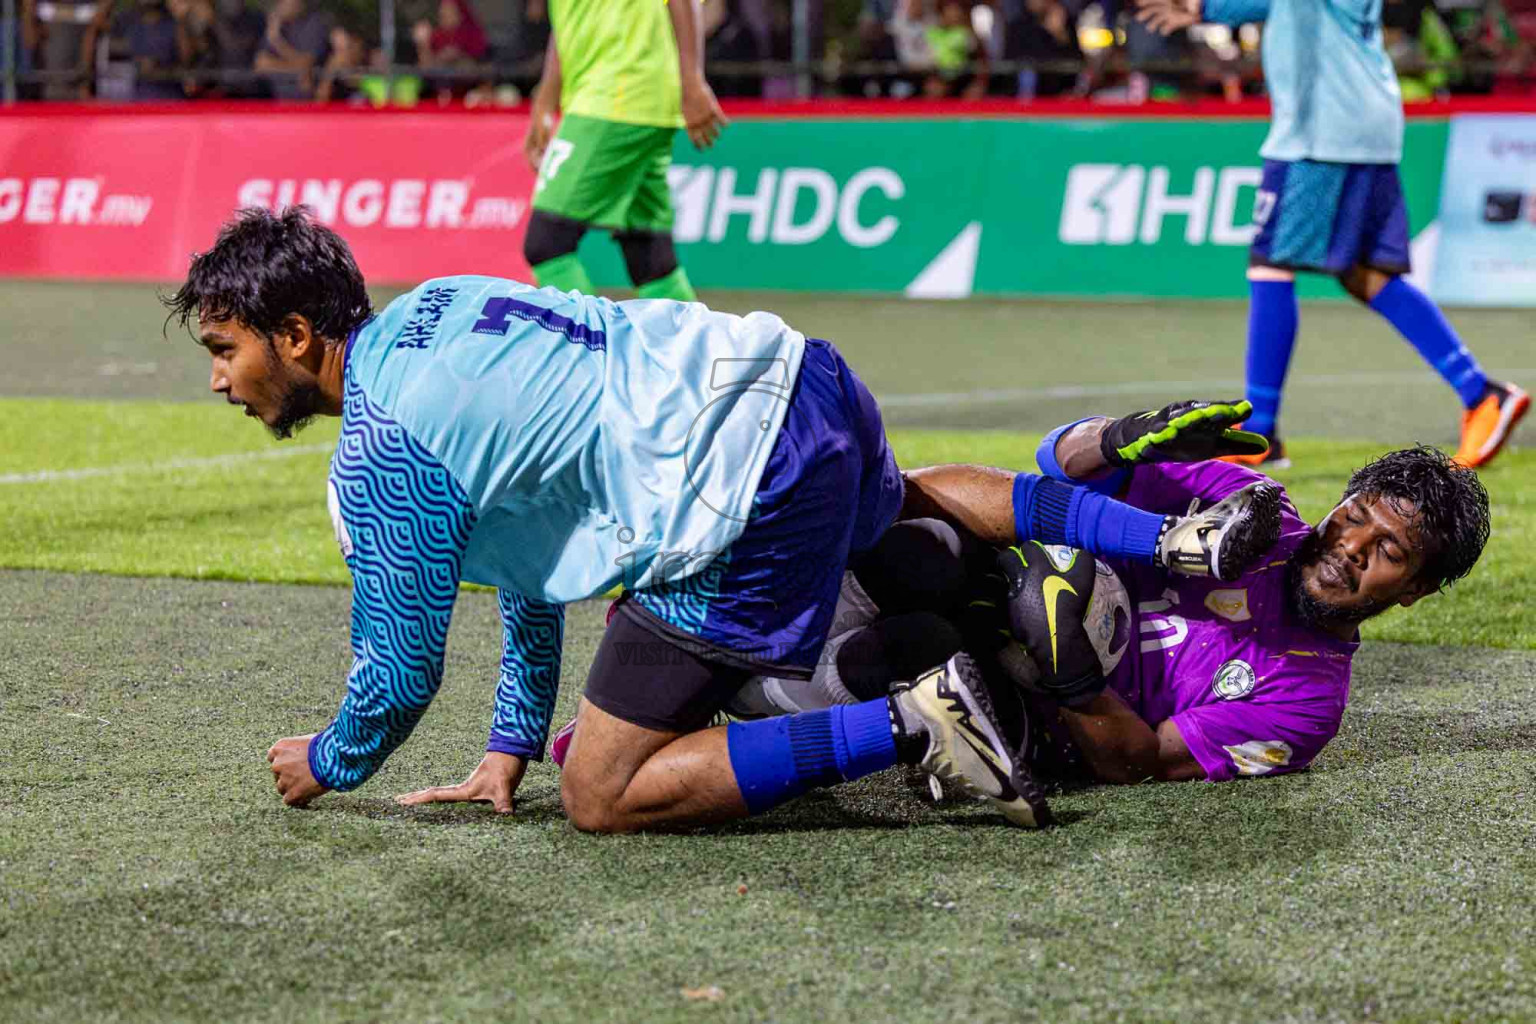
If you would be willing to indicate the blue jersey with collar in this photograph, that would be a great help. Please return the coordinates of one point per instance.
(548, 444)
(1331, 85)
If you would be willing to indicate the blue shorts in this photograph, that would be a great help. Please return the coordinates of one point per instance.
(830, 489)
(1329, 217)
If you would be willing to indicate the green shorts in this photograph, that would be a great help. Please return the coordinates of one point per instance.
(608, 174)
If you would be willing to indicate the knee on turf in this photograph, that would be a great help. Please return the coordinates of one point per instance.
(648, 255)
(587, 808)
(550, 236)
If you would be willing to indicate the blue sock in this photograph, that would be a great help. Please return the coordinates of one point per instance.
(777, 759)
(1272, 319)
(1418, 319)
(1052, 512)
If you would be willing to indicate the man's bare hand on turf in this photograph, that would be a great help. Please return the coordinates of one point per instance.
(289, 758)
(493, 782)
(701, 112)
(1166, 17)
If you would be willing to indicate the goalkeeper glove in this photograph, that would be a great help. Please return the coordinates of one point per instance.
(1046, 604)
(1182, 432)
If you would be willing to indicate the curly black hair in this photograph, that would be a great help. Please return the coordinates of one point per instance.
(1443, 501)
(265, 267)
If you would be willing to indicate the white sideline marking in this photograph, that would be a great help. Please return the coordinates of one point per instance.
(906, 401)
(1153, 387)
(204, 462)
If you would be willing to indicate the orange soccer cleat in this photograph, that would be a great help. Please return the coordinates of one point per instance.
(1275, 458)
(1487, 425)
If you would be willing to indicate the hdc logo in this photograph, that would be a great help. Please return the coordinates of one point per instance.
(1117, 204)
(786, 206)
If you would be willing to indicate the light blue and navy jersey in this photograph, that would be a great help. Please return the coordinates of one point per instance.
(1331, 84)
(548, 444)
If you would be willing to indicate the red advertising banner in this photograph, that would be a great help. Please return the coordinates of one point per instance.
(130, 191)
(416, 195)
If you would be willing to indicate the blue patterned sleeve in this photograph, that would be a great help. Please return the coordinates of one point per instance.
(533, 636)
(403, 524)
(1234, 12)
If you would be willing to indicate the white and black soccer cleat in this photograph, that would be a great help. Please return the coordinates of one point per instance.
(1226, 539)
(947, 710)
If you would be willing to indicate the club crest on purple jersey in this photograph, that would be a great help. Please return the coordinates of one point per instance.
(1234, 680)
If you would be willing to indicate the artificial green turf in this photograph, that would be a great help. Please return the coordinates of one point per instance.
(148, 872)
(979, 364)
(265, 519)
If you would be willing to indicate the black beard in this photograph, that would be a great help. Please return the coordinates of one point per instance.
(1308, 610)
(296, 401)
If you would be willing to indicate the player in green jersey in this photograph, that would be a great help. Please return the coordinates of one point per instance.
(626, 74)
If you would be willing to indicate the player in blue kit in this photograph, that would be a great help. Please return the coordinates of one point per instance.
(723, 469)
(1331, 202)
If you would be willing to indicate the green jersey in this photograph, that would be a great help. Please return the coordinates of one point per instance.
(618, 61)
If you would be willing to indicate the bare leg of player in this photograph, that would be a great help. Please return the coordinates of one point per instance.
(621, 777)
(977, 498)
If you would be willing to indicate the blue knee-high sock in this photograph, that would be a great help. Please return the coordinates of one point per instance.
(1272, 320)
(777, 759)
(1052, 512)
(1419, 320)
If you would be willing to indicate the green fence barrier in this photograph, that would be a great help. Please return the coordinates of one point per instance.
(947, 208)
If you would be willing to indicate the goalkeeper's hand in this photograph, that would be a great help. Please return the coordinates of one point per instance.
(1045, 606)
(1182, 432)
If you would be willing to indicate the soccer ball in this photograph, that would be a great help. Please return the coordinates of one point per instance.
(1106, 618)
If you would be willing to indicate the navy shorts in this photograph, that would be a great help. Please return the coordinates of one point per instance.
(1329, 217)
(830, 489)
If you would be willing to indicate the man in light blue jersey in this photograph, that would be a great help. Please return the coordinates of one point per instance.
(724, 469)
(1330, 202)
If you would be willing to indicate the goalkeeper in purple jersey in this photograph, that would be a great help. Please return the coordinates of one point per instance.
(1219, 679)
(1250, 676)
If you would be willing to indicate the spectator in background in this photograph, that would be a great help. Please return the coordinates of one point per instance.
(874, 43)
(239, 32)
(146, 35)
(1162, 67)
(729, 39)
(456, 39)
(24, 38)
(1421, 46)
(1045, 32)
(527, 38)
(340, 78)
(1508, 34)
(66, 32)
(909, 31)
(296, 43)
(197, 46)
(457, 42)
(956, 51)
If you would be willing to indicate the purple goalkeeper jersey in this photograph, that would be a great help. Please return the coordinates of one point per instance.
(1252, 691)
